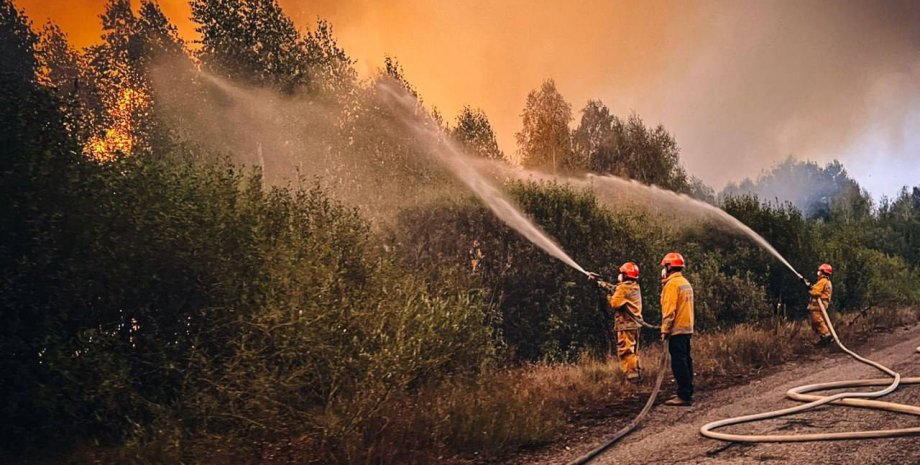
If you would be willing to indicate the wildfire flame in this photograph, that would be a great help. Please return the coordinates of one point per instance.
(121, 138)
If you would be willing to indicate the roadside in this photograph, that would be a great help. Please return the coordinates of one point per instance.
(671, 435)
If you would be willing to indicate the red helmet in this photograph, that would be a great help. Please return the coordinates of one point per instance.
(630, 270)
(673, 259)
(826, 269)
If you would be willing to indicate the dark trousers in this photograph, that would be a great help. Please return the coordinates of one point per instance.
(682, 364)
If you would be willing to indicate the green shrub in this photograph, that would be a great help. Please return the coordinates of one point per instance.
(546, 310)
(721, 300)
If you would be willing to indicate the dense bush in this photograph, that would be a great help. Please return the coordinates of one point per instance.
(547, 310)
(188, 289)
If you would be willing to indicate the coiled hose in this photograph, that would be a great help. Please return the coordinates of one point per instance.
(662, 368)
(853, 399)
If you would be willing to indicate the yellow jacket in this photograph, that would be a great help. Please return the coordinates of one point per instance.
(823, 289)
(627, 297)
(677, 305)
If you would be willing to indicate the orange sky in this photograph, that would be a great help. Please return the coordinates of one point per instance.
(483, 53)
(741, 84)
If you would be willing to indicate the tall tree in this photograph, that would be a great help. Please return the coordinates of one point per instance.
(605, 143)
(331, 69)
(17, 44)
(122, 89)
(650, 155)
(250, 41)
(159, 37)
(595, 139)
(37, 167)
(545, 139)
(122, 68)
(474, 132)
(64, 72)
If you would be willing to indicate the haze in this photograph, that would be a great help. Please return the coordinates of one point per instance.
(742, 85)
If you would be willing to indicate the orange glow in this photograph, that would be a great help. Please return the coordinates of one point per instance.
(481, 53)
(740, 84)
(121, 138)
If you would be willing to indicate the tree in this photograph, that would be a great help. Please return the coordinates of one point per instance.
(899, 225)
(606, 144)
(474, 132)
(812, 188)
(545, 140)
(127, 118)
(65, 73)
(37, 165)
(159, 37)
(392, 69)
(595, 140)
(251, 41)
(17, 44)
(331, 69)
(650, 155)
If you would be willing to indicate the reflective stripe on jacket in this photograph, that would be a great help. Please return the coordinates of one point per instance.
(677, 305)
(627, 297)
(823, 289)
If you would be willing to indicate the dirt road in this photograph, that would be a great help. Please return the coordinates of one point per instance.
(671, 435)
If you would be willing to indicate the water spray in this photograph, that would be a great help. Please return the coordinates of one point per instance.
(463, 168)
(459, 165)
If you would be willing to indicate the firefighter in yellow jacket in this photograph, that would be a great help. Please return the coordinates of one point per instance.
(677, 325)
(627, 298)
(819, 293)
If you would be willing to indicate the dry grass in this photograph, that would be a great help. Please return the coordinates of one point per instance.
(506, 410)
(528, 405)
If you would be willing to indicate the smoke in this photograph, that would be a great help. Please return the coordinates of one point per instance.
(808, 79)
(742, 85)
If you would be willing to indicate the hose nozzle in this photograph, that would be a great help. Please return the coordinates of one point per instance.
(804, 281)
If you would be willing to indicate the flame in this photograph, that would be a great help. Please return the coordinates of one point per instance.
(121, 138)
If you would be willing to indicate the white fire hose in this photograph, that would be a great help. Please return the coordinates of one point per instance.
(853, 399)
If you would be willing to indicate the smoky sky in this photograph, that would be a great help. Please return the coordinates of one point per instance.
(741, 84)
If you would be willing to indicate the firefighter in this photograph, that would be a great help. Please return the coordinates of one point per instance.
(820, 292)
(627, 297)
(677, 325)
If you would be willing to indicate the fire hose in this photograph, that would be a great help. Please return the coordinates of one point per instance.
(662, 368)
(853, 399)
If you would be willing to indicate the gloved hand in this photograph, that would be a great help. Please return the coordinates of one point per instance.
(664, 337)
(807, 284)
(592, 276)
